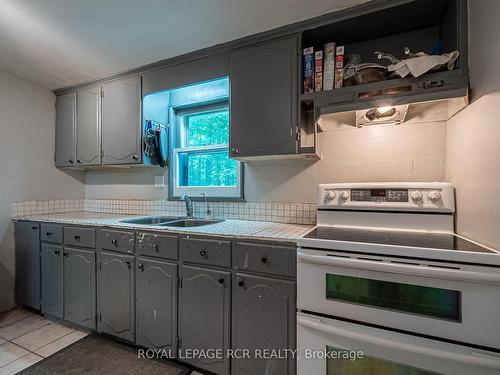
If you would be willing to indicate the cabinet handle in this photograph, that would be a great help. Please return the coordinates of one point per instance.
(127, 264)
(203, 253)
(34, 228)
(221, 281)
(135, 157)
(79, 161)
(263, 259)
(77, 238)
(114, 242)
(241, 283)
(141, 267)
(65, 254)
(71, 161)
(48, 234)
(157, 248)
(235, 150)
(57, 252)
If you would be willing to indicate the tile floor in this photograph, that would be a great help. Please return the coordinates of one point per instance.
(26, 338)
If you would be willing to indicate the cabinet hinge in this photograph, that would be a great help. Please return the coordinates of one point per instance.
(102, 93)
(100, 266)
(179, 342)
(298, 136)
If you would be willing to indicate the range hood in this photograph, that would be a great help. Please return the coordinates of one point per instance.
(436, 110)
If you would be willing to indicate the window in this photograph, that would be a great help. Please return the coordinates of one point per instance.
(201, 162)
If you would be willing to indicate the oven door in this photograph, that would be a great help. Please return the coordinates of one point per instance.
(451, 301)
(329, 346)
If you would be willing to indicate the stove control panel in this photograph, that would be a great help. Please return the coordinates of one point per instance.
(434, 196)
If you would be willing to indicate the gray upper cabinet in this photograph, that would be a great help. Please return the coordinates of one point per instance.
(116, 295)
(52, 279)
(65, 130)
(121, 121)
(79, 287)
(263, 317)
(88, 135)
(156, 290)
(204, 314)
(264, 99)
(27, 234)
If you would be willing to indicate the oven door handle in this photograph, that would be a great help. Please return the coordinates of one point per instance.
(405, 269)
(474, 359)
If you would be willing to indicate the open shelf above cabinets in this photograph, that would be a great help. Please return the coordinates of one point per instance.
(429, 26)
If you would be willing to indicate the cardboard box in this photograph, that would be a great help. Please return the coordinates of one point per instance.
(339, 67)
(329, 66)
(308, 70)
(318, 71)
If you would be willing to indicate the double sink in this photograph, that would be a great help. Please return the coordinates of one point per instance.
(171, 221)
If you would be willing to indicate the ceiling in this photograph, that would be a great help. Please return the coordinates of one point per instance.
(58, 43)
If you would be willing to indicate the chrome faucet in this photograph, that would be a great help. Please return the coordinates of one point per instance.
(189, 205)
(209, 212)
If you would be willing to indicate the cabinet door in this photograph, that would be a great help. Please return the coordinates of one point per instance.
(121, 121)
(52, 280)
(204, 310)
(264, 99)
(263, 314)
(116, 295)
(65, 130)
(79, 287)
(88, 136)
(27, 235)
(156, 290)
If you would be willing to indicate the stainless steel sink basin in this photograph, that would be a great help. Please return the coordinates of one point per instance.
(191, 223)
(150, 220)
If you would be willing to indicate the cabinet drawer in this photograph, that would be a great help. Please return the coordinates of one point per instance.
(118, 240)
(206, 251)
(51, 233)
(82, 237)
(158, 245)
(265, 258)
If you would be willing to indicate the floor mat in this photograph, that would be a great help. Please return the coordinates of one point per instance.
(100, 355)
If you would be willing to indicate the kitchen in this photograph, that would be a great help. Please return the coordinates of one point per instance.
(232, 201)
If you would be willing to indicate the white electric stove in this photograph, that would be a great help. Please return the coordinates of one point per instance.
(384, 273)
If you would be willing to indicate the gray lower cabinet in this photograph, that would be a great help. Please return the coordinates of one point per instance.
(204, 315)
(79, 287)
(27, 236)
(264, 99)
(156, 305)
(88, 131)
(116, 295)
(51, 257)
(65, 130)
(263, 317)
(121, 121)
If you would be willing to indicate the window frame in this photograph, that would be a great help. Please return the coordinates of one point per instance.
(179, 141)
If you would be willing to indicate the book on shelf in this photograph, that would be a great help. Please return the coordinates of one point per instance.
(308, 70)
(318, 71)
(339, 67)
(328, 66)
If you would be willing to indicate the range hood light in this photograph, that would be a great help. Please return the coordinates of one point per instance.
(384, 109)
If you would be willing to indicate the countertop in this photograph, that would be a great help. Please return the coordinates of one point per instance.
(227, 228)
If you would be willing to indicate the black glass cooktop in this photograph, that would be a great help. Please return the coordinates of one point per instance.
(412, 239)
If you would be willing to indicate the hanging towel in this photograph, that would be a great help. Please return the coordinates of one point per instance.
(422, 63)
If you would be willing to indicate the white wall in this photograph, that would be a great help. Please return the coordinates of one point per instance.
(473, 136)
(27, 134)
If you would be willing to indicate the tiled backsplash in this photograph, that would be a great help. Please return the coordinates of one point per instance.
(26, 208)
(290, 213)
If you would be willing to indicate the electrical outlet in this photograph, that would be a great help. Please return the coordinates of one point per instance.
(159, 182)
